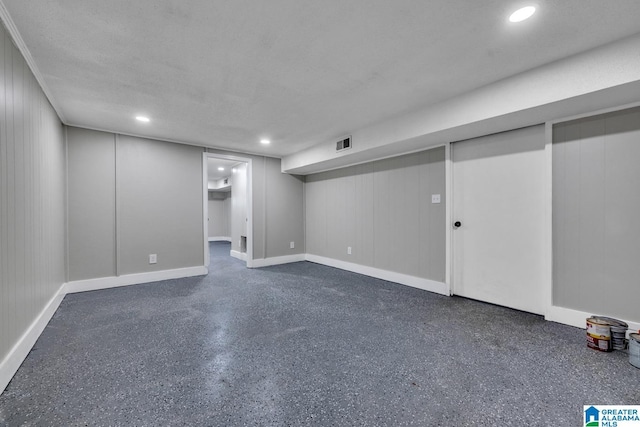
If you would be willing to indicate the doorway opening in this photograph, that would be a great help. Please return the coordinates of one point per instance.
(227, 208)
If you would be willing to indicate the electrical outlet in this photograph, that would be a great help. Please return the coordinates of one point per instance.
(435, 198)
(292, 245)
(153, 258)
(348, 250)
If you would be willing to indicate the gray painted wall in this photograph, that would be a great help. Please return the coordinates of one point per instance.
(284, 200)
(157, 207)
(91, 206)
(270, 226)
(596, 201)
(219, 214)
(382, 210)
(32, 198)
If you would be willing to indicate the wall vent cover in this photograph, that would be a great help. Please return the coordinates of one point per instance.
(343, 144)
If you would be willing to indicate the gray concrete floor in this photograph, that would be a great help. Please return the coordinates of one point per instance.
(304, 344)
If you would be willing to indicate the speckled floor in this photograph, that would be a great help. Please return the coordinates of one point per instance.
(304, 344)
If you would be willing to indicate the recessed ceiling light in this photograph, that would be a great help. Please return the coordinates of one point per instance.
(265, 141)
(522, 14)
(143, 119)
(220, 169)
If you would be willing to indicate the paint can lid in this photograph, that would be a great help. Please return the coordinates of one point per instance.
(635, 337)
(611, 321)
(597, 321)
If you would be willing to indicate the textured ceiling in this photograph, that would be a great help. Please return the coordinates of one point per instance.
(226, 73)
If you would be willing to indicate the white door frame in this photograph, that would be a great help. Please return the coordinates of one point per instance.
(205, 203)
(448, 209)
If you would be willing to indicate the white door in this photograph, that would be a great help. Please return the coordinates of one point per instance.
(498, 199)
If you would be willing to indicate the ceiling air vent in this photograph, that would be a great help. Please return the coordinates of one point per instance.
(343, 144)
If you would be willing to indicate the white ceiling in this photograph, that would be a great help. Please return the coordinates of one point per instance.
(213, 164)
(300, 72)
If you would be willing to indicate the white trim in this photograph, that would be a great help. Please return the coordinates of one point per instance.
(373, 159)
(116, 200)
(242, 256)
(66, 201)
(220, 239)
(286, 259)
(264, 205)
(133, 279)
(391, 276)
(249, 247)
(205, 207)
(26, 54)
(448, 214)
(577, 318)
(595, 113)
(12, 361)
(548, 218)
(201, 144)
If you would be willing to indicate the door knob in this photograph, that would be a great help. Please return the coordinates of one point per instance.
(457, 224)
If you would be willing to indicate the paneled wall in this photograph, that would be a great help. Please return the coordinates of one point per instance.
(284, 195)
(596, 204)
(157, 206)
(131, 197)
(383, 211)
(160, 205)
(32, 198)
(92, 201)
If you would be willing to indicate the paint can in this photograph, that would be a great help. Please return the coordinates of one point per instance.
(618, 331)
(634, 350)
(618, 335)
(598, 334)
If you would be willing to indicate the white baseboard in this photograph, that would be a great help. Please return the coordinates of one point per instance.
(578, 318)
(12, 361)
(220, 239)
(391, 276)
(133, 279)
(239, 255)
(286, 259)
(10, 364)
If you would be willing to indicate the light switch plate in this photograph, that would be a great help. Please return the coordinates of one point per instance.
(153, 258)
